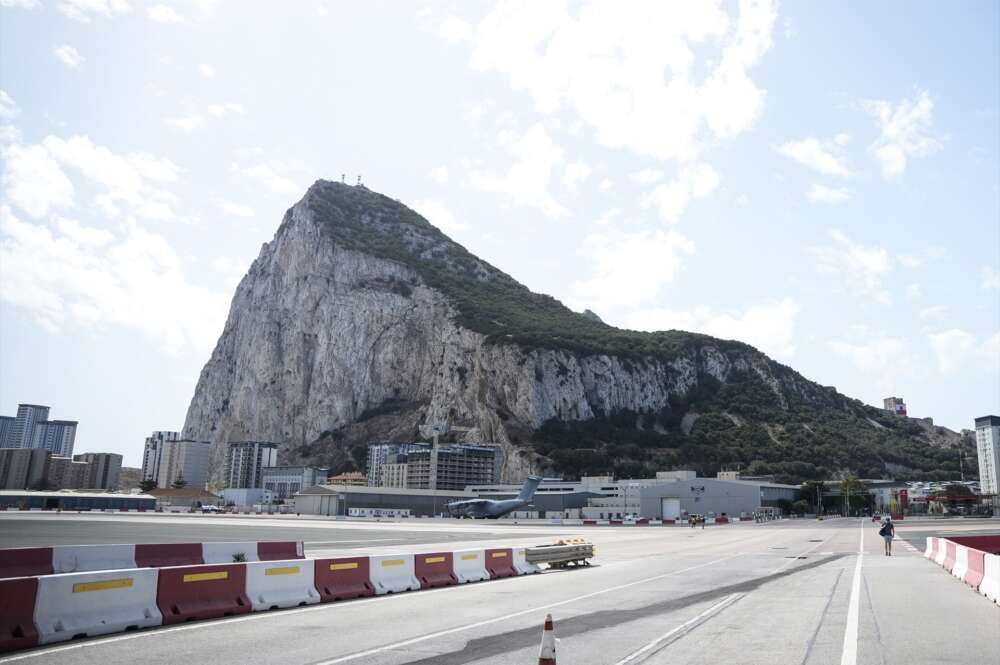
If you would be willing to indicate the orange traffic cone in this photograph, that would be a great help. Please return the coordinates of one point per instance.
(547, 652)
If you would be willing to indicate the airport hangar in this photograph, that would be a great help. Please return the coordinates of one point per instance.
(339, 499)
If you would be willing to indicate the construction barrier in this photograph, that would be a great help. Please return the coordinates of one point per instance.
(470, 566)
(171, 554)
(434, 569)
(961, 562)
(95, 603)
(343, 578)
(942, 551)
(229, 552)
(393, 573)
(17, 613)
(187, 593)
(500, 563)
(975, 568)
(949, 558)
(931, 549)
(274, 585)
(988, 544)
(25, 561)
(279, 550)
(85, 558)
(521, 564)
(990, 586)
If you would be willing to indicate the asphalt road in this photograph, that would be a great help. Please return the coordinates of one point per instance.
(815, 593)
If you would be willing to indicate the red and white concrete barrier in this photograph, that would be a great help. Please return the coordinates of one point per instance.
(970, 559)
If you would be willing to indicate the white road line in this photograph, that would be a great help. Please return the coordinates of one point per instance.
(849, 655)
(681, 629)
(348, 606)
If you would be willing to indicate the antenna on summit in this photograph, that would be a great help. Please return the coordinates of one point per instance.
(359, 180)
(342, 177)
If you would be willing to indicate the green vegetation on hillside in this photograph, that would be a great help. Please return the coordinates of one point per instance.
(488, 300)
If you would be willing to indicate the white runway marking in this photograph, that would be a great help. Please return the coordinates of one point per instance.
(849, 655)
(681, 629)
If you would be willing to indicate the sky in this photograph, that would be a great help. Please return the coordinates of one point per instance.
(817, 179)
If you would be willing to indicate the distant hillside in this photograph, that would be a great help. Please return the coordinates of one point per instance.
(361, 321)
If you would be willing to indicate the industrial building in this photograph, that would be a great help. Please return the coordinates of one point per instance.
(988, 449)
(425, 466)
(285, 481)
(67, 500)
(340, 499)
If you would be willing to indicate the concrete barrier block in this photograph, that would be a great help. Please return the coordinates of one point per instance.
(950, 550)
(95, 603)
(521, 564)
(393, 573)
(187, 593)
(500, 563)
(25, 561)
(470, 566)
(990, 586)
(278, 584)
(279, 550)
(975, 569)
(931, 548)
(961, 562)
(228, 552)
(343, 578)
(169, 554)
(942, 551)
(17, 613)
(435, 569)
(84, 558)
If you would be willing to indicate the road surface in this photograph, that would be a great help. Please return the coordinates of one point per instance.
(792, 592)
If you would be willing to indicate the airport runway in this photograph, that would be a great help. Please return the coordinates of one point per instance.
(793, 592)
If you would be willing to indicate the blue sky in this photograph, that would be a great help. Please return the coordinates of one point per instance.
(816, 179)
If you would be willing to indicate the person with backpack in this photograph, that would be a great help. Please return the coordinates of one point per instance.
(888, 532)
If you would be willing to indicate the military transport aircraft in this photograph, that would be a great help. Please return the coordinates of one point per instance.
(491, 508)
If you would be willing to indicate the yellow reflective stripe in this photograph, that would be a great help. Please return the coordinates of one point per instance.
(392, 562)
(343, 566)
(124, 583)
(204, 577)
(434, 559)
(498, 555)
(469, 557)
(287, 570)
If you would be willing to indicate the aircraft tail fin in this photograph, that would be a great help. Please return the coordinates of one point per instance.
(529, 487)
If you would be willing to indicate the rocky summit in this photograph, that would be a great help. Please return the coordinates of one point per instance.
(361, 321)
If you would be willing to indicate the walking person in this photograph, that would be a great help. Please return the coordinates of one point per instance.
(888, 532)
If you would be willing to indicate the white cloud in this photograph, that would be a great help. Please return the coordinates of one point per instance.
(631, 268)
(885, 359)
(694, 181)
(904, 132)
(8, 108)
(822, 194)
(268, 175)
(236, 209)
(439, 174)
(606, 184)
(862, 267)
(33, 180)
(646, 176)
(934, 312)
(769, 327)
(925, 256)
(659, 78)
(69, 56)
(913, 292)
(437, 214)
(991, 279)
(455, 30)
(821, 156)
(956, 349)
(608, 217)
(527, 180)
(164, 14)
(206, 71)
(97, 279)
(575, 174)
(82, 10)
(186, 123)
(222, 110)
(20, 4)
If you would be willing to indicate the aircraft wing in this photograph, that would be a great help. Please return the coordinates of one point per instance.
(469, 503)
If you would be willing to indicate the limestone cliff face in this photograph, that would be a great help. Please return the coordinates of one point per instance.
(322, 331)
